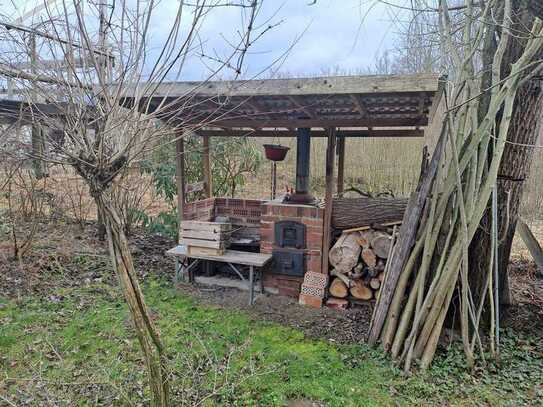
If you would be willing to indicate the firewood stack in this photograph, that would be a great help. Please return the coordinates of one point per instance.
(358, 260)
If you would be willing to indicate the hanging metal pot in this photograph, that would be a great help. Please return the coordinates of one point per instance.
(275, 152)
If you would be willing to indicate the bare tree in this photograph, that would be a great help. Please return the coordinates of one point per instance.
(72, 70)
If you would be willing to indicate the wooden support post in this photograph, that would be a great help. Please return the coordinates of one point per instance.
(340, 165)
(180, 176)
(207, 168)
(326, 235)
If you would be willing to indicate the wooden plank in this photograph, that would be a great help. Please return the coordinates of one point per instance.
(214, 244)
(294, 86)
(207, 168)
(205, 226)
(229, 256)
(204, 251)
(202, 234)
(326, 235)
(405, 242)
(531, 243)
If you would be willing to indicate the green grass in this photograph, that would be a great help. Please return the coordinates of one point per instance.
(76, 347)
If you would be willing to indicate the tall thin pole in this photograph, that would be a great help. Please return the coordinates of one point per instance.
(496, 265)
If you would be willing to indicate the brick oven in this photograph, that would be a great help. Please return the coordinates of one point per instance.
(292, 233)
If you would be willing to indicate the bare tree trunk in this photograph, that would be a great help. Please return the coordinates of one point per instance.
(101, 227)
(147, 333)
(514, 170)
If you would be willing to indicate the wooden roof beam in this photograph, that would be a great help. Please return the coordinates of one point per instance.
(377, 133)
(332, 85)
(412, 121)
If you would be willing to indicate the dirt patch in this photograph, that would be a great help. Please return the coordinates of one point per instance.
(340, 326)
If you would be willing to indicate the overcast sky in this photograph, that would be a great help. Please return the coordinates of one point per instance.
(330, 36)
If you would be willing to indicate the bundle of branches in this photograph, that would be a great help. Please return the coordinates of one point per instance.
(430, 263)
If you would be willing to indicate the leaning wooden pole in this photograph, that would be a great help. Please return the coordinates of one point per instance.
(405, 243)
(431, 260)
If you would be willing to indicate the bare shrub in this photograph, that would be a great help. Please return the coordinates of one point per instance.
(25, 202)
(132, 195)
(72, 195)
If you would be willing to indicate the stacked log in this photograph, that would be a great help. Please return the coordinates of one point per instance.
(350, 213)
(358, 260)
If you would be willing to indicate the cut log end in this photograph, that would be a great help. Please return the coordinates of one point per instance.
(369, 258)
(360, 291)
(375, 283)
(338, 288)
(381, 245)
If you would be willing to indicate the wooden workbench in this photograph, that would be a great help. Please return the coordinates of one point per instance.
(231, 257)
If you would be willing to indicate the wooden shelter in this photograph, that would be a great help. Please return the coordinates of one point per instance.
(337, 108)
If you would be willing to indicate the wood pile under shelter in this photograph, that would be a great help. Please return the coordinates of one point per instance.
(358, 258)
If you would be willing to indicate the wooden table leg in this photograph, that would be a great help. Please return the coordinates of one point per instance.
(177, 274)
(191, 273)
(251, 284)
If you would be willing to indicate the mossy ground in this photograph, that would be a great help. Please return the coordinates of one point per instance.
(76, 346)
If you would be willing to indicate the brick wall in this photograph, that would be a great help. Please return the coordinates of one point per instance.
(312, 217)
(244, 214)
